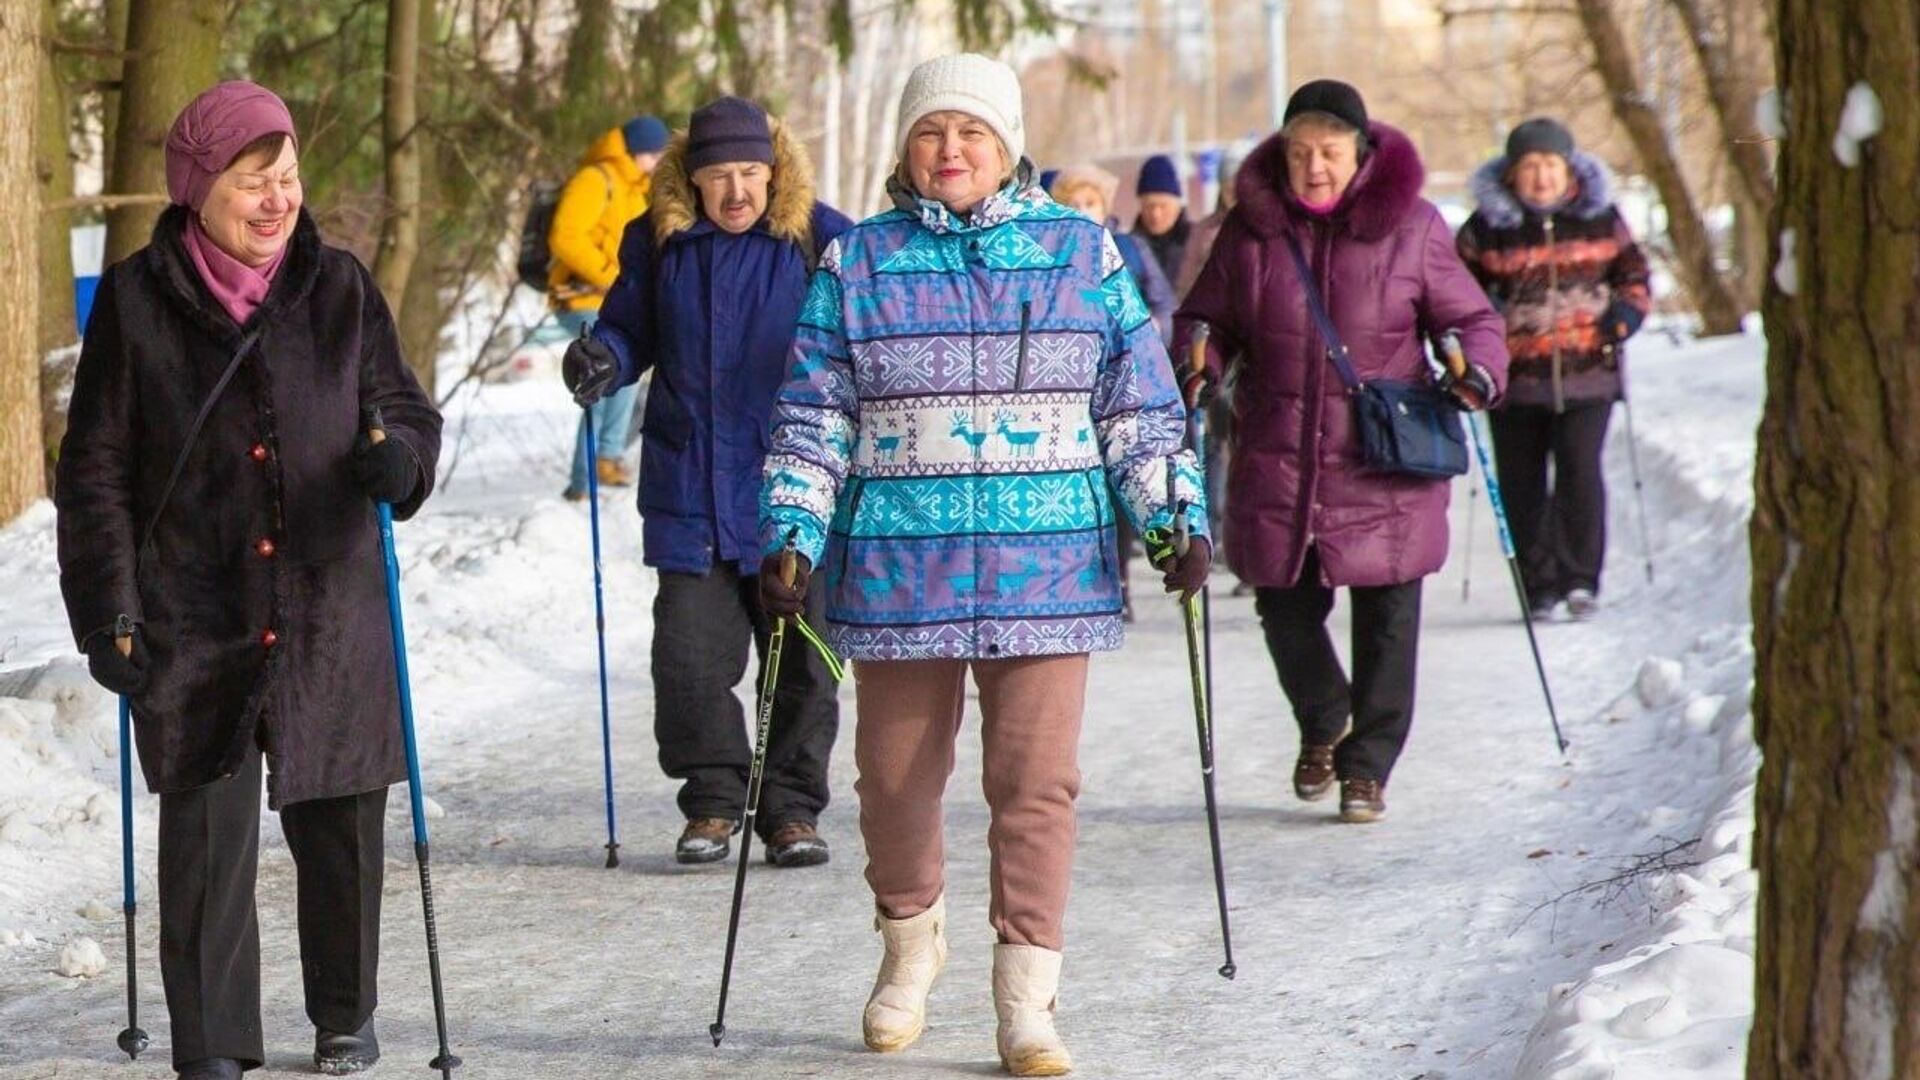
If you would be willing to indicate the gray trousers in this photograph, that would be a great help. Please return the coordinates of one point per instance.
(210, 931)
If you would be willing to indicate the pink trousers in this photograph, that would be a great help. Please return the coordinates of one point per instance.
(909, 720)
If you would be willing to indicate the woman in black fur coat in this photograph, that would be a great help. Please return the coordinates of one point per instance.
(232, 523)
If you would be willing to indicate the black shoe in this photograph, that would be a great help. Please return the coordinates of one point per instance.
(339, 1054)
(210, 1069)
(1543, 606)
(796, 844)
(704, 840)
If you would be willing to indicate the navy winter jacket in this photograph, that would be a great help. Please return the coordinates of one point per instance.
(712, 314)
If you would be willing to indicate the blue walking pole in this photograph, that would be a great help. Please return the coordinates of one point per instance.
(446, 1062)
(1457, 363)
(133, 1040)
(590, 452)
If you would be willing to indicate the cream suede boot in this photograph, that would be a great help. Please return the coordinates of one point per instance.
(1026, 986)
(916, 951)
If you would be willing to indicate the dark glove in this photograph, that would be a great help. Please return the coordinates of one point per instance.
(776, 596)
(122, 674)
(1198, 386)
(1186, 574)
(387, 471)
(1621, 321)
(1470, 391)
(589, 369)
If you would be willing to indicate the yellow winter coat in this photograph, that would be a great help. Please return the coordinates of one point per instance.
(608, 192)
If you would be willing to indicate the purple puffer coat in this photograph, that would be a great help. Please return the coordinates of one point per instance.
(1390, 278)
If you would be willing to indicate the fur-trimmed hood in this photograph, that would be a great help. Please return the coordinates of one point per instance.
(1383, 191)
(676, 202)
(1504, 210)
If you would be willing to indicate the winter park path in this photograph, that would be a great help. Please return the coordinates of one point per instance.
(1409, 949)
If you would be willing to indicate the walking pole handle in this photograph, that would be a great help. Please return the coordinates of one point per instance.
(376, 429)
(790, 558)
(1197, 350)
(1456, 356)
(1182, 531)
(123, 633)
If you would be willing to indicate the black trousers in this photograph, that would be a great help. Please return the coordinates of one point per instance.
(703, 627)
(1378, 700)
(1559, 527)
(210, 932)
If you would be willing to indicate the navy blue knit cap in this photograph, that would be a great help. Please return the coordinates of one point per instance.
(1159, 176)
(1542, 135)
(644, 135)
(728, 129)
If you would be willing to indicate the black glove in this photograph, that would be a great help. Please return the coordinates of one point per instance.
(120, 674)
(589, 369)
(1621, 321)
(1186, 574)
(1470, 391)
(1198, 386)
(387, 471)
(776, 596)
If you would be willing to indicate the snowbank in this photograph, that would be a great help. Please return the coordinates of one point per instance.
(1677, 1004)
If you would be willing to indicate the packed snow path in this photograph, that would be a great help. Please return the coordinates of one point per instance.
(1402, 950)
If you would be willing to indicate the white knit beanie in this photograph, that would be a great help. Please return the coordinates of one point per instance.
(969, 83)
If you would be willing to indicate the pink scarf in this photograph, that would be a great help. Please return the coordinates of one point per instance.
(239, 288)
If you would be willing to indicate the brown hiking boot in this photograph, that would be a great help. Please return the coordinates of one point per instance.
(704, 840)
(1313, 773)
(1362, 802)
(613, 473)
(796, 843)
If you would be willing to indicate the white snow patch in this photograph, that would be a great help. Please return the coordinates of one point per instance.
(1786, 272)
(1860, 120)
(81, 958)
(1661, 682)
(1769, 115)
(99, 911)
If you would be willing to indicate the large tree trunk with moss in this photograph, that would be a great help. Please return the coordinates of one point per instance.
(173, 53)
(400, 126)
(1836, 566)
(53, 174)
(21, 457)
(1719, 309)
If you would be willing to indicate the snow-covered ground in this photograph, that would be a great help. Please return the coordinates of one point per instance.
(1469, 937)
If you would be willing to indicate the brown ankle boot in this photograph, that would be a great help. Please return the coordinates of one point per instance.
(1313, 773)
(1362, 802)
(613, 473)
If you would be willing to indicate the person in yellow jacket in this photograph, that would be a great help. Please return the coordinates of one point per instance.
(608, 192)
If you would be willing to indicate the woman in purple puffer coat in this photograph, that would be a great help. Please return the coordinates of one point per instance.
(1304, 515)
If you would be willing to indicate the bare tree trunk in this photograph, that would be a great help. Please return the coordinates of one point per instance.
(399, 124)
(21, 479)
(1836, 567)
(113, 70)
(1732, 96)
(53, 171)
(173, 53)
(1720, 311)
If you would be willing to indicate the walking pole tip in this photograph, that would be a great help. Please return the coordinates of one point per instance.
(1228, 970)
(613, 855)
(718, 1030)
(133, 1042)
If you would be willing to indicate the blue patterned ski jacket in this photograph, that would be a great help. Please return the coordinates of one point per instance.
(961, 396)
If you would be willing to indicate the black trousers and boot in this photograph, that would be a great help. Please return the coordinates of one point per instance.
(703, 628)
(1378, 700)
(209, 930)
(1560, 523)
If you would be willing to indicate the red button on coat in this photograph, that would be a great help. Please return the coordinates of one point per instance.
(259, 452)
(264, 548)
(269, 639)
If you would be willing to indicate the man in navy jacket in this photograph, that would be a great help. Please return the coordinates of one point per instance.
(711, 282)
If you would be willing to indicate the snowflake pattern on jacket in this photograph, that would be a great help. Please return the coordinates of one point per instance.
(964, 396)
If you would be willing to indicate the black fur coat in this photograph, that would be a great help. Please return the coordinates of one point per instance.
(261, 598)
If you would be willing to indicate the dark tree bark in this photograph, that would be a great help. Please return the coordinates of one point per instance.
(173, 53)
(400, 117)
(1720, 311)
(53, 173)
(1836, 567)
(21, 479)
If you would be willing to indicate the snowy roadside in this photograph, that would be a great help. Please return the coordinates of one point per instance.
(1677, 1001)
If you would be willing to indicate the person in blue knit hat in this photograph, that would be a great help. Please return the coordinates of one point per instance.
(1162, 222)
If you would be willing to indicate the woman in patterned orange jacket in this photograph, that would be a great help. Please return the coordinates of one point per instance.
(1560, 264)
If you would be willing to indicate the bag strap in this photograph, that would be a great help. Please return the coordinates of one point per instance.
(1336, 349)
(193, 435)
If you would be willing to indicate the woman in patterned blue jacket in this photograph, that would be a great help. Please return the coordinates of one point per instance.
(971, 371)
